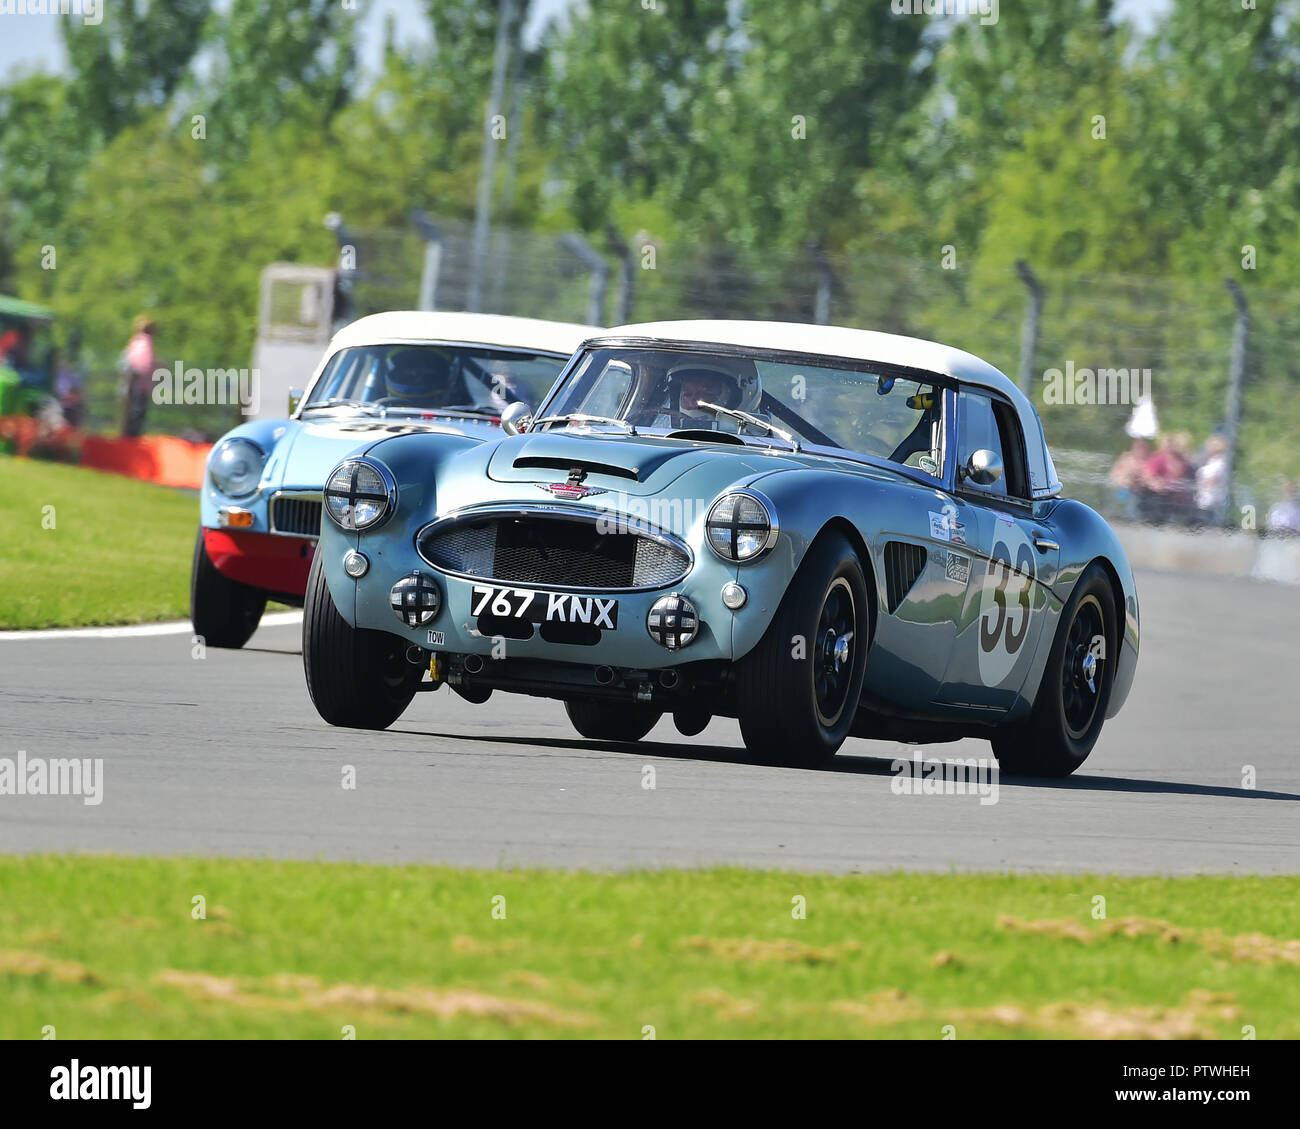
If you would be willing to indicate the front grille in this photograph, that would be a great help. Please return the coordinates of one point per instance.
(299, 516)
(903, 564)
(557, 551)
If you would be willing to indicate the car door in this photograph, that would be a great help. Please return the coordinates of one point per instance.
(1012, 560)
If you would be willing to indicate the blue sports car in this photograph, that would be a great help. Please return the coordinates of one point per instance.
(386, 374)
(822, 532)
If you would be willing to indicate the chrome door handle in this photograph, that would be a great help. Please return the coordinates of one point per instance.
(1043, 545)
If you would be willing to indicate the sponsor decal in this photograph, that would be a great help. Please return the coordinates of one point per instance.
(957, 532)
(938, 526)
(958, 568)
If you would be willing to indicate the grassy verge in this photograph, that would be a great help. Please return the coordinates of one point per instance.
(119, 550)
(100, 946)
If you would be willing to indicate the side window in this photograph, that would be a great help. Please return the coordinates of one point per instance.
(978, 430)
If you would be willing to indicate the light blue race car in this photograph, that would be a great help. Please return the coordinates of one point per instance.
(386, 374)
(820, 531)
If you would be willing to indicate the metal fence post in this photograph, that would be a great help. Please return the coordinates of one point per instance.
(487, 172)
(620, 249)
(825, 286)
(599, 275)
(1029, 338)
(1236, 378)
(428, 299)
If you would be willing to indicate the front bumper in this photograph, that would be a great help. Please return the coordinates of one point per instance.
(272, 562)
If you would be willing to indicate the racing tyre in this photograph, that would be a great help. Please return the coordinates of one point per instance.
(223, 611)
(611, 721)
(358, 679)
(796, 704)
(1070, 709)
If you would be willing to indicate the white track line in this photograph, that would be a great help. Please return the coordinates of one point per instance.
(179, 627)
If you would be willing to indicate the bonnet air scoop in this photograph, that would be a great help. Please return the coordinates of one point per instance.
(551, 462)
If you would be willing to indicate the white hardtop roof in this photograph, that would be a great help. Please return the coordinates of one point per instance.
(825, 340)
(478, 329)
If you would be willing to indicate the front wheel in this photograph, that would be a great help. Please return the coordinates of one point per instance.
(223, 611)
(797, 692)
(611, 721)
(1070, 708)
(358, 679)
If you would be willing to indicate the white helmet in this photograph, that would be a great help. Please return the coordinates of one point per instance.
(737, 379)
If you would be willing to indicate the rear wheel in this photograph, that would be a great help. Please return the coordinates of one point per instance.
(1070, 709)
(359, 679)
(611, 721)
(223, 611)
(797, 692)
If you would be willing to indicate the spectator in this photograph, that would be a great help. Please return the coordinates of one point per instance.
(138, 364)
(69, 382)
(1212, 481)
(1167, 480)
(1284, 517)
(1126, 476)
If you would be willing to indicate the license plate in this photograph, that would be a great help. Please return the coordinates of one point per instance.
(544, 607)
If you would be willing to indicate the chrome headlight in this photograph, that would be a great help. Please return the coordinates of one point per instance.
(236, 467)
(360, 494)
(741, 526)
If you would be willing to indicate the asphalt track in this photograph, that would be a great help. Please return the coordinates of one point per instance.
(225, 755)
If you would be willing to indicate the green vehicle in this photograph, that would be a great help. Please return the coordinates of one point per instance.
(26, 355)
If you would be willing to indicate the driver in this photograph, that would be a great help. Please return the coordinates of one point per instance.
(714, 380)
(422, 378)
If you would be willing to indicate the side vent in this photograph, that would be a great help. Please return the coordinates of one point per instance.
(903, 564)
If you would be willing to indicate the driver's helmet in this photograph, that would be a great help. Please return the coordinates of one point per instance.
(725, 381)
(419, 376)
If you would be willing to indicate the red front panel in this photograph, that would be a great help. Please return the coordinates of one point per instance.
(262, 560)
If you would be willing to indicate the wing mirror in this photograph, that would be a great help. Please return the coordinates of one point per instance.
(983, 468)
(295, 398)
(516, 418)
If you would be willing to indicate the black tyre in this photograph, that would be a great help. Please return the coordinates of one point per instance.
(223, 611)
(1070, 709)
(358, 679)
(611, 721)
(796, 703)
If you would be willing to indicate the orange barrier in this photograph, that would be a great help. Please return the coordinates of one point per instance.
(163, 459)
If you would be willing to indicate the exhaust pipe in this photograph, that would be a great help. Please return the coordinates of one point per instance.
(604, 675)
(669, 679)
(473, 664)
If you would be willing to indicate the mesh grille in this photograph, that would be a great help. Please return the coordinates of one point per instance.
(296, 515)
(554, 552)
(903, 564)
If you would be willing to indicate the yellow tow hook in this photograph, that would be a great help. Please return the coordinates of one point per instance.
(436, 670)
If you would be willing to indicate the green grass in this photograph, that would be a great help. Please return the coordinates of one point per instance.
(119, 550)
(93, 944)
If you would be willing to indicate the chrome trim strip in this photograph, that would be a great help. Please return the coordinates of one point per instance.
(588, 514)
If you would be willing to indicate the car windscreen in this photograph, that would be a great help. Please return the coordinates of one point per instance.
(428, 377)
(823, 404)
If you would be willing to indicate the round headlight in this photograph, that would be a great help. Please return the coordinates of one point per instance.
(236, 467)
(740, 527)
(359, 495)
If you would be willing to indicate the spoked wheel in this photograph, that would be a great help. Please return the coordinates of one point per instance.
(833, 652)
(797, 692)
(1082, 673)
(1070, 709)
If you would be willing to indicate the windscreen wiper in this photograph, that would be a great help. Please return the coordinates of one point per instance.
(756, 421)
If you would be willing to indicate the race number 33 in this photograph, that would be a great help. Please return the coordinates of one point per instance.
(1005, 608)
